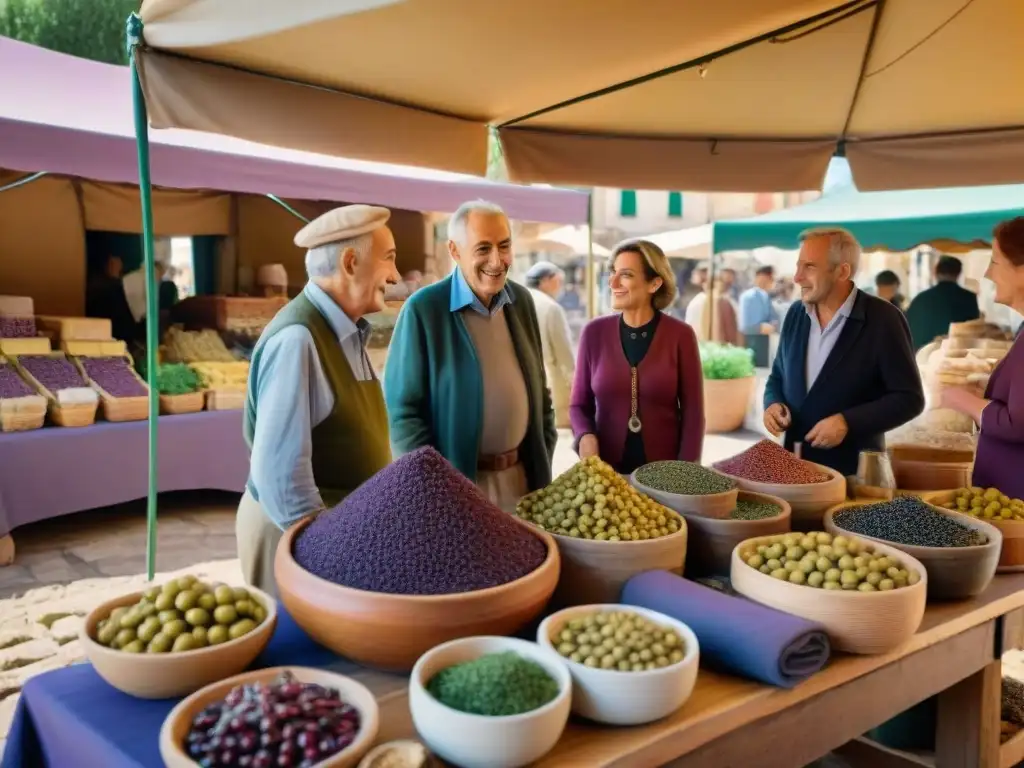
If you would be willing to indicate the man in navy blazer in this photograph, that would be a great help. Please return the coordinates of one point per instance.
(845, 372)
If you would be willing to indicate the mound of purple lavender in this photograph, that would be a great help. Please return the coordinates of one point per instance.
(418, 527)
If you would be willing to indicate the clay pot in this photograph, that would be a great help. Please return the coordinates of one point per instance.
(726, 402)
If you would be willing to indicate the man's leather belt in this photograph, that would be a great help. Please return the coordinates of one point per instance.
(499, 462)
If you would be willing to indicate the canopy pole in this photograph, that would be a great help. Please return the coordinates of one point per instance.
(134, 39)
(287, 207)
(24, 180)
(591, 276)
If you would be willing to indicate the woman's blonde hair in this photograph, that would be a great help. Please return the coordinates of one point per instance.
(655, 265)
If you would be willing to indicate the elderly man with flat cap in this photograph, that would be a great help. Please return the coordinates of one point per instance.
(470, 373)
(545, 281)
(314, 418)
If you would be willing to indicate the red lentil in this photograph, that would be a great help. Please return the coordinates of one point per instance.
(768, 462)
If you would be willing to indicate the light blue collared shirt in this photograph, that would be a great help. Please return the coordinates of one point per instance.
(821, 341)
(463, 297)
(755, 308)
(293, 396)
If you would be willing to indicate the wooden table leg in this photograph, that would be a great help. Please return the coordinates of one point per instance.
(967, 734)
(6, 550)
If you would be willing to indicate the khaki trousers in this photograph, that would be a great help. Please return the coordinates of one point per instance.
(505, 488)
(257, 537)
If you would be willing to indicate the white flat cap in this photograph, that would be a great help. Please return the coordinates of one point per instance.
(341, 224)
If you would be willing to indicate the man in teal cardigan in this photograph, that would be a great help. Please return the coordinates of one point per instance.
(465, 369)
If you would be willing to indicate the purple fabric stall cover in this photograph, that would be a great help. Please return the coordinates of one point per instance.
(735, 634)
(55, 471)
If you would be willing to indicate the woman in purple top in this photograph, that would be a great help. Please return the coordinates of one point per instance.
(999, 462)
(638, 392)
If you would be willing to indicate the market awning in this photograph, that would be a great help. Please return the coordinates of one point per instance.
(735, 95)
(73, 117)
(954, 220)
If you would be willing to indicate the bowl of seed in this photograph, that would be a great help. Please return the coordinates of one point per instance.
(712, 541)
(869, 596)
(687, 487)
(961, 553)
(490, 702)
(629, 665)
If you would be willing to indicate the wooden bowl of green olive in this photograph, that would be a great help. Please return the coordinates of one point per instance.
(173, 639)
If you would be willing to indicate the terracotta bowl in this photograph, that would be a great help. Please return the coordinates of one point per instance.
(596, 571)
(712, 541)
(179, 721)
(954, 573)
(808, 502)
(918, 468)
(714, 505)
(1011, 556)
(856, 622)
(168, 675)
(390, 632)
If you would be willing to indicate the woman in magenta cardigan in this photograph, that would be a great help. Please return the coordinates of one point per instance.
(999, 411)
(638, 393)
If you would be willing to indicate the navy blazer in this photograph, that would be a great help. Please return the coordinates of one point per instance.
(870, 377)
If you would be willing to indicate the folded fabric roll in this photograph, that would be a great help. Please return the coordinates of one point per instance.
(735, 634)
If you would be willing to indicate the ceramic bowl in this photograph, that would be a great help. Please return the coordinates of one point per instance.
(714, 505)
(167, 675)
(712, 541)
(954, 573)
(808, 502)
(478, 741)
(626, 698)
(179, 721)
(391, 632)
(856, 622)
(1011, 556)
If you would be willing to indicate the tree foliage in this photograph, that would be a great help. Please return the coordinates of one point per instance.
(91, 29)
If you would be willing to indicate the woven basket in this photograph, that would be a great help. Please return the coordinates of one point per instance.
(193, 402)
(222, 400)
(22, 420)
(77, 415)
(119, 408)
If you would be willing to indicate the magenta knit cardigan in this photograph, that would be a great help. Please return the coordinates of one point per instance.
(671, 391)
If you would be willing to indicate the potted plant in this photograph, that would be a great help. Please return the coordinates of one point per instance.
(728, 385)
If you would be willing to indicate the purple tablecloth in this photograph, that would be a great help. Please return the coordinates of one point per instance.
(55, 471)
(71, 718)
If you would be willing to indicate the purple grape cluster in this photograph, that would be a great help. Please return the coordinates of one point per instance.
(11, 384)
(17, 327)
(418, 527)
(284, 723)
(114, 376)
(54, 373)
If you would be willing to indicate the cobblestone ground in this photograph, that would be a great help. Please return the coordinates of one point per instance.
(65, 567)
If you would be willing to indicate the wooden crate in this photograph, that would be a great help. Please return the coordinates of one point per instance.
(75, 328)
(118, 408)
(76, 415)
(92, 348)
(39, 345)
(193, 402)
(224, 400)
(19, 414)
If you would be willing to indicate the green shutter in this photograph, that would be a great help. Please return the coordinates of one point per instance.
(627, 203)
(675, 205)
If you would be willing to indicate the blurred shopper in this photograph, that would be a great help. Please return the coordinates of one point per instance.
(545, 282)
(933, 309)
(887, 287)
(758, 319)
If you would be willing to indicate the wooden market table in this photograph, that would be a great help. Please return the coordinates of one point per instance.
(733, 723)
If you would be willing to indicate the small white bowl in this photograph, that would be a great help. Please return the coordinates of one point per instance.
(478, 741)
(626, 698)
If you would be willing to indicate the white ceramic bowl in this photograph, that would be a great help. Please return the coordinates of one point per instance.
(626, 698)
(478, 741)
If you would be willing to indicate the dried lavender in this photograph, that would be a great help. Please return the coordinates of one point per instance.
(908, 520)
(418, 527)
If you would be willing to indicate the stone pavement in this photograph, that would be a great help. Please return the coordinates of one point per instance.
(65, 567)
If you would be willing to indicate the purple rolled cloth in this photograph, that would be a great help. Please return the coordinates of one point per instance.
(736, 635)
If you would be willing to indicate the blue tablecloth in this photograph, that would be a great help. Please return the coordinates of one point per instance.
(71, 718)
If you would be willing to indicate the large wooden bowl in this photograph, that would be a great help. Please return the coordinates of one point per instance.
(1011, 556)
(923, 468)
(596, 571)
(389, 631)
(954, 573)
(179, 721)
(714, 505)
(712, 541)
(167, 675)
(807, 501)
(856, 622)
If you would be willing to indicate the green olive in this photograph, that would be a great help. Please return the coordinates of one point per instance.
(217, 634)
(116, 614)
(197, 617)
(135, 646)
(186, 582)
(240, 594)
(149, 629)
(186, 600)
(225, 614)
(106, 635)
(174, 628)
(244, 607)
(200, 635)
(132, 619)
(164, 601)
(224, 595)
(151, 594)
(184, 642)
(239, 628)
(146, 610)
(159, 644)
(123, 637)
(207, 601)
(166, 616)
(171, 588)
(259, 613)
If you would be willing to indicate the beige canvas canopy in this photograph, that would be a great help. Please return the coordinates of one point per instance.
(684, 94)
